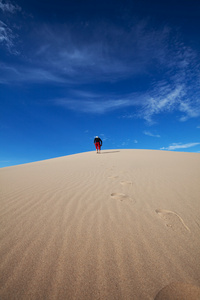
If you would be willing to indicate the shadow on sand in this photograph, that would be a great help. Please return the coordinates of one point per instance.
(107, 152)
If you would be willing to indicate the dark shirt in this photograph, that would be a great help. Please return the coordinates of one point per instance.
(98, 140)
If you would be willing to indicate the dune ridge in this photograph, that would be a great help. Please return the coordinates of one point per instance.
(123, 224)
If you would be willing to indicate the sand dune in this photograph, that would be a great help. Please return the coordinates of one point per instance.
(122, 224)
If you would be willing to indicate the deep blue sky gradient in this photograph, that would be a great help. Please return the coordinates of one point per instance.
(128, 71)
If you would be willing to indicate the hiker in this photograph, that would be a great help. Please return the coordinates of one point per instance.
(98, 143)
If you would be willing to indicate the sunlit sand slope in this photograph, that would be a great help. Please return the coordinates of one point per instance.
(123, 224)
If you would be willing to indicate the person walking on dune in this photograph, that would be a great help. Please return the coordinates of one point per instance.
(98, 144)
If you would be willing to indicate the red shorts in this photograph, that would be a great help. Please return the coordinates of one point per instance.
(98, 146)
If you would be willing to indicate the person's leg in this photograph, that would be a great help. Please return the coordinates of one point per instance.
(96, 145)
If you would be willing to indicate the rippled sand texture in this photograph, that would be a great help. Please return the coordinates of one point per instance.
(123, 224)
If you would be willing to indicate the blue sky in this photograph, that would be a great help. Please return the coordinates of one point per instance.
(128, 71)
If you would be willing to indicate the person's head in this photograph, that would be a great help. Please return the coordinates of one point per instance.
(97, 137)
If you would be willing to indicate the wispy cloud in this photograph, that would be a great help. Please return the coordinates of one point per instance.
(9, 7)
(100, 52)
(178, 91)
(92, 106)
(96, 53)
(175, 146)
(97, 103)
(98, 59)
(7, 31)
(190, 109)
(163, 99)
(21, 74)
(6, 35)
(151, 134)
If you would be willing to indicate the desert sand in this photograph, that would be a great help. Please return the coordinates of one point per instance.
(123, 224)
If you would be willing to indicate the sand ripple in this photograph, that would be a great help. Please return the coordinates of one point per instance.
(71, 229)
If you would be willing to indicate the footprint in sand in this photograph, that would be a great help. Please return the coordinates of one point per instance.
(125, 183)
(113, 177)
(172, 219)
(120, 196)
(179, 291)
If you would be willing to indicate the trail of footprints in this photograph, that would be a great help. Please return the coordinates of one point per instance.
(171, 219)
(121, 196)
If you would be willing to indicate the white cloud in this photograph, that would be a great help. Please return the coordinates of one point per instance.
(175, 146)
(107, 53)
(190, 110)
(151, 134)
(9, 7)
(61, 54)
(6, 35)
(135, 141)
(12, 74)
(92, 106)
(164, 99)
(7, 32)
